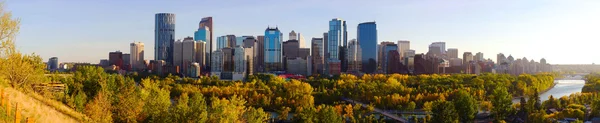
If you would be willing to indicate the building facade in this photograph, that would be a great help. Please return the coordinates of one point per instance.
(387, 60)
(402, 47)
(354, 56)
(317, 55)
(53, 64)
(452, 53)
(337, 42)
(210, 45)
(367, 39)
(136, 49)
(272, 48)
(164, 35)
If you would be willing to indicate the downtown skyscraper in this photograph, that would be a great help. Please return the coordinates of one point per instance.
(367, 39)
(164, 36)
(272, 48)
(206, 25)
(336, 46)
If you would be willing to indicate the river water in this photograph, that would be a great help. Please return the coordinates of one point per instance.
(562, 88)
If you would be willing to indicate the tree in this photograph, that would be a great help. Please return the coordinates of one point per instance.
(306, 114)
(596, 108)
(17, 68)
(502, 102)
(226, 111)
(444, 112)
(465, 105)
(198, 107)
(255, 115)
(327, 114)
(129, 103)
(99, 110)
(157, 102)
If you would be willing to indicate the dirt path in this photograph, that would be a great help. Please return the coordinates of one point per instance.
(32, 107)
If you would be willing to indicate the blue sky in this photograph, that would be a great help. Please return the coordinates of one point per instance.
(562, 31)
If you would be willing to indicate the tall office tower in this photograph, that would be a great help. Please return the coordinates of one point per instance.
(389, 48)
(203, 35)
(243, 58)
(381, 54)
(232, 40)
(272, 43)
(188, 53)
(441, 45)
(228, 63)
(409, 59)
(337, 42)
(222, 42)
(403, 46)
(216, 62)
(467, 57)
(210, 43)
(177, 53)
(452, 53)
(325, 49)
(354, 56)
(367, 39)
(290, 49)
(201, 54)
(260, 59)
(164, 35)
(500, 58)
(301, 41)
(239, 41)
(53, 64)
(251, 43)
(317, 55)
(479, 57)
(126, 61)
(115, 58)
(293, 35)
(137, 56)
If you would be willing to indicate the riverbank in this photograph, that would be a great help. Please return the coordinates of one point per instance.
(540, 93)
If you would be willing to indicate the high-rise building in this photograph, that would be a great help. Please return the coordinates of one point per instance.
(228, 61)
(177, 53)
(222, 42)
(337, 42)
(500, 58)
(367, 39)
(243, 60)
(479, 57)
(126, 61)
(216, 62)
(201, 54)
(317, 55)
(467, 57)
(203, 35)
(441, 45)
(452, 53)
(389, 48)
(232, 41)
(115, 58)
(251, 42)
(137, 56)
(403, 46)
(164, 36)
(290, 49)
(210, 43)
(293, 35)
(354, 56)
(381, 54)
(301, 41)
(53, 64)
(272, 48)
(260, 59)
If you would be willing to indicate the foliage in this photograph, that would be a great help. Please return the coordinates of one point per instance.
(444, 112)
(466, 106)
(99, 109)
(501, 101)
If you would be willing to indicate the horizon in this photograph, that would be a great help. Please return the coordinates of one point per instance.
(562, 32)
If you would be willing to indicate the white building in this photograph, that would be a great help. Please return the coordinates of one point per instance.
(354, 56)
(137, 56)
(402, 47)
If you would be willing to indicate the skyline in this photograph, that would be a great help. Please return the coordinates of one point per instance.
(88, 34)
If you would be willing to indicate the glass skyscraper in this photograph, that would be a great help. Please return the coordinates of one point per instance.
(367, 39)
(164, 33)
(336, 43)
(272, 43)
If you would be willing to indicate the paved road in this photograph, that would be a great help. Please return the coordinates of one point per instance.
(395, 117)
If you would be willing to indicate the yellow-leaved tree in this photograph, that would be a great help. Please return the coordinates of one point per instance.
(16, 69)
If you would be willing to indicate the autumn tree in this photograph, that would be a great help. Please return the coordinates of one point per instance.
(444, 112)
(255, 115)
(99, 109)
(327, 114)
(465, 105)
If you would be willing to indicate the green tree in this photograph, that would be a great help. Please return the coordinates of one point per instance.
(129, 103)
(466, 106)
(444, 112)
(226, 111)
(327, 114)
(502, 101)
(157, 103)
(306, 114)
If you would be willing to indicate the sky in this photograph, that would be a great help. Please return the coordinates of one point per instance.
(561, 31)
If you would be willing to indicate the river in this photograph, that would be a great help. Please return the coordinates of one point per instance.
(562, 88)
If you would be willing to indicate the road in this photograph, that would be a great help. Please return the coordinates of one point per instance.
(393, 116)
